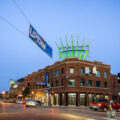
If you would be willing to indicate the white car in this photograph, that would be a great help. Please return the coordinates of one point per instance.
(30, 103)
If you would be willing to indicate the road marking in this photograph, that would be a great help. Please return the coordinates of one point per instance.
(111, 118)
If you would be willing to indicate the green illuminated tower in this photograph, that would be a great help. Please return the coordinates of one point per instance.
(73, 48)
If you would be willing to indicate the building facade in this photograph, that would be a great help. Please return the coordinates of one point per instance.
(71, 82)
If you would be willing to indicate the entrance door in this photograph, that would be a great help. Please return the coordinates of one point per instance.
(72, 99)
(90, 98)
(56, 99)
(82, 99)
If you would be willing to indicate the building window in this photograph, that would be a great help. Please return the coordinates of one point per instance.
(57, 72)
(105, 84)
(90, 83)
(90, 71)
(98, 73)
(82, 70)
(97, 83)
(62, 82)
(62, 71)
(82, 83)
(105, 74)
(72, 82)
(71, 70)
(57, 83)
(118, 81)
(51, 83)
(52, 74)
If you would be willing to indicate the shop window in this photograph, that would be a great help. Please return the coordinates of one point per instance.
(62, 82)
(97, 83)
(71, 98)
(98, 73)
(57, 83)
(57, 72)
(105, 84)
(82, 70)
(71, 70)
(82, 99)
(105, 74)
(62, 71)
(71, 82)
(82, 83)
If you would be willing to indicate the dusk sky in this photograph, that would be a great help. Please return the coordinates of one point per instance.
(97, 19)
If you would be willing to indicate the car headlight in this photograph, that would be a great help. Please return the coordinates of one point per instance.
(99, 104)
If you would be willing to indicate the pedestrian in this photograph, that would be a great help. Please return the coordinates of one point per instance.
(110, 110)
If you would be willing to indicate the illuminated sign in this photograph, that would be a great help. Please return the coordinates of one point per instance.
(11, 83)
(40, 41)
(40, 83)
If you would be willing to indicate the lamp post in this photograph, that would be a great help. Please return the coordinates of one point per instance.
(119, 97)
(3, 93)
(32, 94)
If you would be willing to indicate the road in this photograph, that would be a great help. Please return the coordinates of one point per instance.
(11, 111)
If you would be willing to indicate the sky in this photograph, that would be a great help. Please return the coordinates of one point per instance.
(96, 19)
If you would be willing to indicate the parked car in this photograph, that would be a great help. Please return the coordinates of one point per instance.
(102, 105)
(19, 101)
(32, 103)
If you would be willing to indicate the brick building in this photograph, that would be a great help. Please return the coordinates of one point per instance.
(115, 88)
(72, 81)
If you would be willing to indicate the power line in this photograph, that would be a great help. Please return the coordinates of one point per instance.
(21, 11)
(25, 16)
(13, 26)
(17, 29)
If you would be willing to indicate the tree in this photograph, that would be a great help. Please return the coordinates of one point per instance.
(26, 92)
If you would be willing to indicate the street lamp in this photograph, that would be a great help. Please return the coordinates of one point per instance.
(119, 96)
(32, 94)
(3, 93)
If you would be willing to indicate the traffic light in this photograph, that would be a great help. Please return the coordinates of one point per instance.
(52, 92)
(28, 83)
(118, 76)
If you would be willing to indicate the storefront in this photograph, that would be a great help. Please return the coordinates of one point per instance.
(83, 99)
(72, 99)
(56, 99)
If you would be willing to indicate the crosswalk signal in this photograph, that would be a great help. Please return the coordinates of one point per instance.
(118, 76)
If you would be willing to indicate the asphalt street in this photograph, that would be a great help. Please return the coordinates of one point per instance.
(12, 111)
